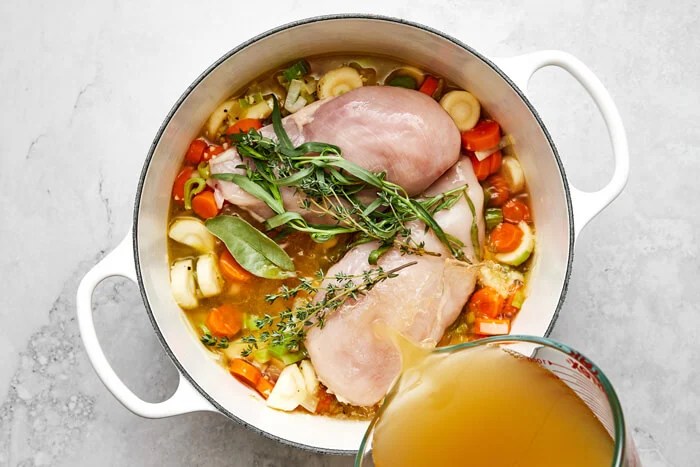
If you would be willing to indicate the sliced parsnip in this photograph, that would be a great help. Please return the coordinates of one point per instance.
(289, 391)
(513, 173)
(209, 278)
(339, 81)
(227, 110)
(182, 283)
(463, 107)
(259, 111)
(191, 231)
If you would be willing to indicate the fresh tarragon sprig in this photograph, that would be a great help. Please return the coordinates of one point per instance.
(337, 189)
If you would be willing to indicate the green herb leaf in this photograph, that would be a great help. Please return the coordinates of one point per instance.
(252, 249)
(281, 134)
(254, 189)
(296, 71)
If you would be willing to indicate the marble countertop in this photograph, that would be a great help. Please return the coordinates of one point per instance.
(85, 86)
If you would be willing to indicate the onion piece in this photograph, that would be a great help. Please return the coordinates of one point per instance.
(289, 391)
(506, 141)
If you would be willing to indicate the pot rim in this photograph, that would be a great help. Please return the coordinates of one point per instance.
(249, 42)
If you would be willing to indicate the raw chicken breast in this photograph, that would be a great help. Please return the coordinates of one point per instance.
(359, 366)
(385, 128)
(380, 128)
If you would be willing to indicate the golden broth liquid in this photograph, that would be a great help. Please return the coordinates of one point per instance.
(486, 407)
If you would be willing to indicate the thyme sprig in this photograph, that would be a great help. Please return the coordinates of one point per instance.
(289, 328)
(212, 341)
(352, 199)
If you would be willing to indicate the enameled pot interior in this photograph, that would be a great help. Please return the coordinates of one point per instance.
(357, 35)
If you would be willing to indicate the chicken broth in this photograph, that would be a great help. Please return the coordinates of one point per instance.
(272, 253)
(519, 412)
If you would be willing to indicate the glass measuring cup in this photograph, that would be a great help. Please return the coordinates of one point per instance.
(568, 365)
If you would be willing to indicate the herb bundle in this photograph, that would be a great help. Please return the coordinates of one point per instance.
(351, 200)
(336, 189)
(289, 328)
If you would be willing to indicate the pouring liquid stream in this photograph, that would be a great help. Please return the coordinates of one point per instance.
(483, 406)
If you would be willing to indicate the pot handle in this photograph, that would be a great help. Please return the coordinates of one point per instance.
(586, 205)
(120, 262)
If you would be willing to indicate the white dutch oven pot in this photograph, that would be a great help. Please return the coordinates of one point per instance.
(560, 210)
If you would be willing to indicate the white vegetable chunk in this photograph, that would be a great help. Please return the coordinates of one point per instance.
(227, 110)
(513, 173)
(289, 391)
(192, 232)
(182, 283)
(259, 111)
(339, 81)
(311, 382)
(463, 107)
(294, 101)
(209, 278)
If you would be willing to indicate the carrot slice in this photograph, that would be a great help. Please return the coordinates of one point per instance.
(245, 371)
(231, 270)
(492, 327)
(224, 321)
(204, 205)
(515, 211)
(196, 151)
(505, 238)
(244, 126)
(429, 86)
(179, 185)
(486, 302)
(496, 189)
(495, 160)
(486, 134)
(264, 387)
(482, 169)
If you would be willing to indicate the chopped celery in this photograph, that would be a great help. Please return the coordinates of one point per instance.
(407, 82)
(296, 71)
(493, 217)
(249, 322)
(281, 353)
(262, 355)
(518, 298)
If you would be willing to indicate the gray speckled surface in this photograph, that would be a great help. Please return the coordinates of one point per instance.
(84, 87)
